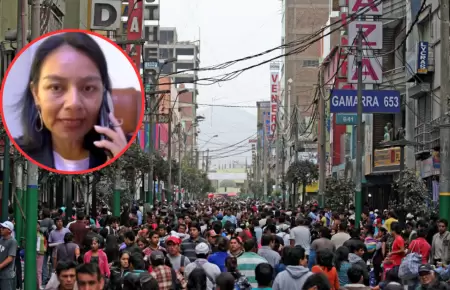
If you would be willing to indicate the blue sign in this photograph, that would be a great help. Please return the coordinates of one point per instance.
(422, 57)
(346, 119)
(385, 101)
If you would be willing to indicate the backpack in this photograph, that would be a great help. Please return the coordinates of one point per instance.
(212, 280)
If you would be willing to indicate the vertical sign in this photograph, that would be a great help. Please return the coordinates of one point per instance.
(134, 30)
(274, 96)
(422, 57)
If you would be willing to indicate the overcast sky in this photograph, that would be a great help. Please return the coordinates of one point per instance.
(229, 30)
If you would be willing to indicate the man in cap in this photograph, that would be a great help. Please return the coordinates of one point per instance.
(429, 280)
(8, 250)
(202, 251)
(161, 272)
(177, 260)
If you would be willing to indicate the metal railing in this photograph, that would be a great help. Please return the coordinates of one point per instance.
(427, 135)
(394, 78)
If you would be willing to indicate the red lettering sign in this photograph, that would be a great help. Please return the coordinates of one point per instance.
(368, 6)
(369, 74)
(367, 29)
(134, 31)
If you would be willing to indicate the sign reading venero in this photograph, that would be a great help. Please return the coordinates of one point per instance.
(385, 101)
(274, 96)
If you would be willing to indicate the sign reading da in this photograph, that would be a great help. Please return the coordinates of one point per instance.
(105, 14)
(384, 101)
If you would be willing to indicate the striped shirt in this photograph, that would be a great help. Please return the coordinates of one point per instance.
(247, 263)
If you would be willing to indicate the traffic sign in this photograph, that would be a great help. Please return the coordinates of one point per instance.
(384, 101)
(346, 119)
(105, 15)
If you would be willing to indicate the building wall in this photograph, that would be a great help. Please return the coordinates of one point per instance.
(78, 16)
(8, 17)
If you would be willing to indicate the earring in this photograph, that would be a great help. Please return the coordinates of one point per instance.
(39, 120)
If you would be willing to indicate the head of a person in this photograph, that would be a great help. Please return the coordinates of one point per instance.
(68, 83)
(422, 233)
(58, 222)
(173, 245)
(194, 230)
(95, 245)
(142, 243)
(136, 262)
(394, 286)
(222, 244)
(325, 233)
(267, 240)
(225, 281)
(442, 225)
(264, 275)
(358, 248)
(324, 258)
(231, 264)
(202, 250)
(396, 228)
(129, 238)
(157, 258)
(340, 256)
(317, 282)
(426, 274)
(197, 279)
(154, 238)
(124, 259)
(296, 257)
(68, 237)
(89, 277)
(6, 229)
(355, 274)
(249, 245)
(66, 273)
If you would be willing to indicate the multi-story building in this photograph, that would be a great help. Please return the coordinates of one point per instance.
(263, 129)
(300, 19)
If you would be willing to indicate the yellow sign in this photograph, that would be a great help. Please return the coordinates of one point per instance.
(387, 157)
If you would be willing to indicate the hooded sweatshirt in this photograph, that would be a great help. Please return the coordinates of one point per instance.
(357, 260)
(292, 278)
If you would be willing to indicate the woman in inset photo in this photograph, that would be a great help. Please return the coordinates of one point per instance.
(67, 118)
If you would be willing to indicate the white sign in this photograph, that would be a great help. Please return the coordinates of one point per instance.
(366, 7)
(372, 72)
(274, 96)
(372, 34)
(105, 15)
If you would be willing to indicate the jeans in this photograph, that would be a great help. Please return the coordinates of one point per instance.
(39, 266)
(47, 268)
(8, 283)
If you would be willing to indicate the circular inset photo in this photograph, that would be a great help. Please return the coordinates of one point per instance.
(72, 101)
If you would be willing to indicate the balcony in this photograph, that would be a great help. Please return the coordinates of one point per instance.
(393, 12)
(427, 135)
(394, 79)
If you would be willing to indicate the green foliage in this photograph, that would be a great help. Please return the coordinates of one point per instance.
(338, 192)
(242, 190)
(277, 193)
(195, 181)
(411, 195)
(256, 188)
(227, 183)
(302, 171)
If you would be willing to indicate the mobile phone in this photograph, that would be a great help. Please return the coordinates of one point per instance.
(104, 119)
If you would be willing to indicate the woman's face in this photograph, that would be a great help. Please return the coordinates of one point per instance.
(69, 93)
(94, 245)
(124, 261)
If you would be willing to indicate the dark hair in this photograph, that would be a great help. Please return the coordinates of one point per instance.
(249, 245)
(354, 247)
(296, 254)
(225, 281)
(319, 280)
(231, 264)
(325, 258)
(82, 42)
(129, 235)
(222, 244)
(90, 269)
(266, 239)
(341, 255)
(422, 233)
(197, 279)
(64, 266)
(137, 261)
(370, 229)
(68, 237)
(264, 274)
(355, 274)
(325, 233)
(443, 221)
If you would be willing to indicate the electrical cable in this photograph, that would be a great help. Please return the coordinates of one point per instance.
(233, 145)
(231, 155)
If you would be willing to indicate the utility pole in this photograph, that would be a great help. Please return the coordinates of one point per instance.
(322, 140)
(149, 78)
(32, 171)
(169, 158)
(196, 158)
(283, 163)
(360, 132)
(264, 171)
(17, 205)
(179, 161)
(444, 178)
(296, 141)
(277, 146)
(207, 161)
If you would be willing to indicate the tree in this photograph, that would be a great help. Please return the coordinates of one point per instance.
(302, 172)
(411, 195)
(227, 183)
(338, 192)
(257, 188)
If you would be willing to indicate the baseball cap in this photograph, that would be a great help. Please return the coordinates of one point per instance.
(202, 248)
(8, 225)
(425, 268)
(174, 240)
(157, 256)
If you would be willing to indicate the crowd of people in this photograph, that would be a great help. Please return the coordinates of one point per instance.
(232, 245)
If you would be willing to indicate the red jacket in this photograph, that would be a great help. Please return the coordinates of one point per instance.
(102, 261)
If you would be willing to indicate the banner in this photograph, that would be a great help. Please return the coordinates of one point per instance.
(134, 30)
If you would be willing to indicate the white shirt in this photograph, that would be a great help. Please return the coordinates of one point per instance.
(70, 165)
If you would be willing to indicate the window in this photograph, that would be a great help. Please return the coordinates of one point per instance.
(310, 63)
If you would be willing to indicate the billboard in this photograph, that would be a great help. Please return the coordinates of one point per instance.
(384, 101)
(105, 15)
(134, 30)
(386, 157)
(274, 95)
(422, 57)
(372, 32)
(372, 71)
(366, 7)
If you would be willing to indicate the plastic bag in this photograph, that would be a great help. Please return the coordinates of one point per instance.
(53, 283)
